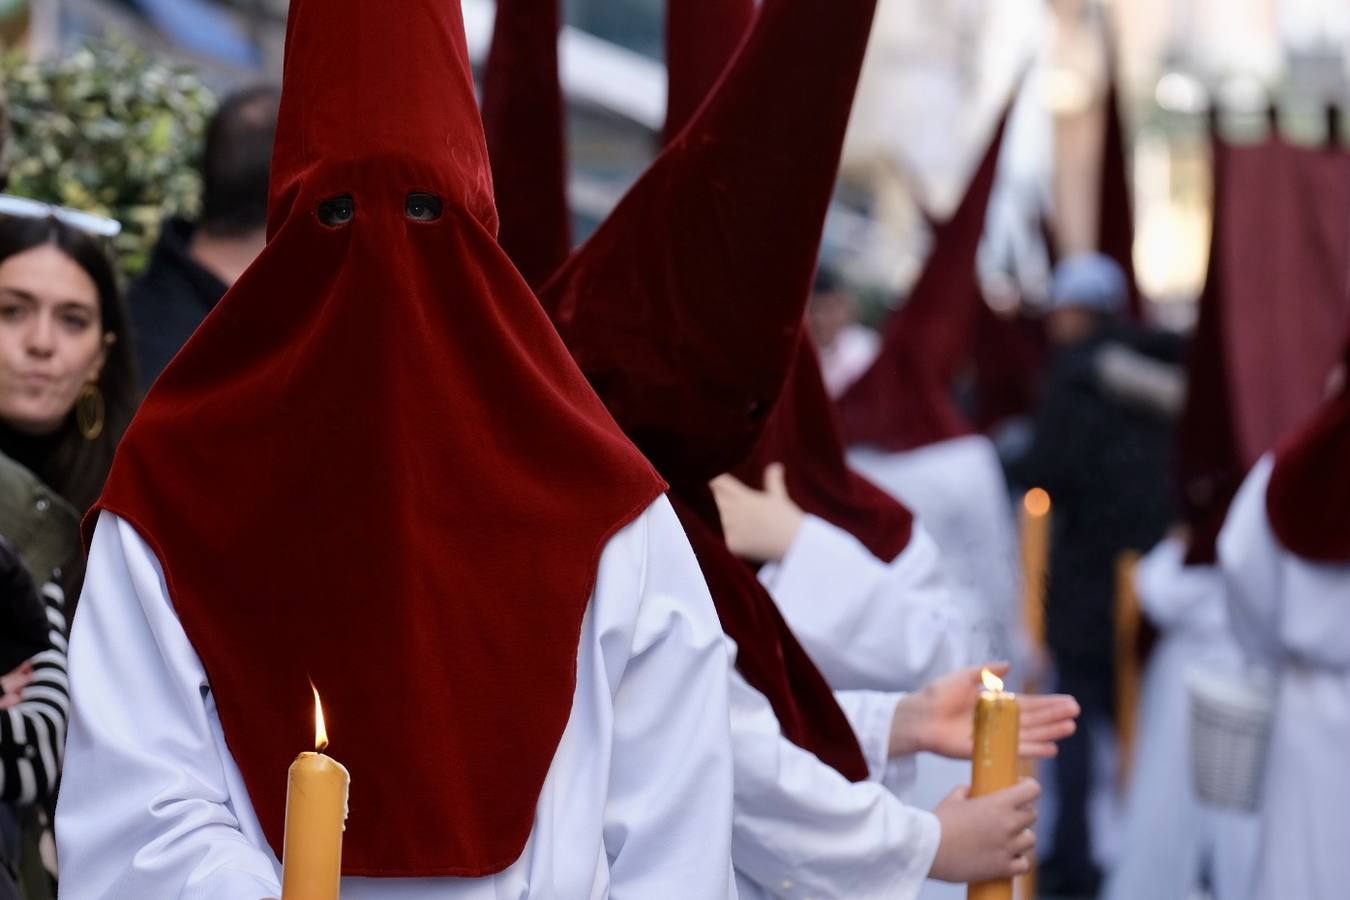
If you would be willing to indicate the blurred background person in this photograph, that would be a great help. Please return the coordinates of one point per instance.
(34, 705)
(1102, 449)
(847, 347)
(67, 392)
(68, 383)
(194, 264)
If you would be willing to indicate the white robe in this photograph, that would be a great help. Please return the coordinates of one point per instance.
(1169, 836)
(958, 492)
(867, 624)
(636, 805)
(1294, 616)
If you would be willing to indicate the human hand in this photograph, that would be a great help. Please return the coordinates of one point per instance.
(760, 526)
(940, 718)
(986, 838)
(13, 685)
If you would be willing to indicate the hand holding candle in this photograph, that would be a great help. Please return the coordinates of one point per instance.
(996, 761)
(316, 814)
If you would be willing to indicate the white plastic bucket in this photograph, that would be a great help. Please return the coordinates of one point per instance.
(1231, 716)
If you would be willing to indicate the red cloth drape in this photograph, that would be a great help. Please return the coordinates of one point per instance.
(1286, 251)
(376, 466)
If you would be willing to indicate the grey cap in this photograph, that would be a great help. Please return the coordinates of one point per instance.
(1091, 281)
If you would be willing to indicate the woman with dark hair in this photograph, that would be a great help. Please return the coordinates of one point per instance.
(67, 392)
(68, 385)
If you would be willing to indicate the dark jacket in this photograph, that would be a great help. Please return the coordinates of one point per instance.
(170, 300)
(1105, 457)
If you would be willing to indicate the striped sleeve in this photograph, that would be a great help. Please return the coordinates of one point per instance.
(33, 734)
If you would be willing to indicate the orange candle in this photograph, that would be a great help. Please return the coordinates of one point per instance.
(997, 721)
(1036, 526)
(316, 815)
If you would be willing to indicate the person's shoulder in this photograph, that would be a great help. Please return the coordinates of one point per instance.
(43, 526)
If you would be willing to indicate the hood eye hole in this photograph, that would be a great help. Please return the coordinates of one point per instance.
(337, 212)
(424, 207)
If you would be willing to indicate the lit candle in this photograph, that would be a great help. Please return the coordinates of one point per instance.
(1036, 521)
(995, 762)
(316, 814)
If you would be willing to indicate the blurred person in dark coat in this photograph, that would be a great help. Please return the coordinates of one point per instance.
(195, 263)
(1102, 449)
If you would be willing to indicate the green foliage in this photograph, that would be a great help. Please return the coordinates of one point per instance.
(108, 130)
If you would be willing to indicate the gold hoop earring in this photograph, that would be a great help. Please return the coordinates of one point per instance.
(91, 412)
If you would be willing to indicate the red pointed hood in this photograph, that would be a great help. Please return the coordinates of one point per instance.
(803, 431)
(905, 400)
(375, 466)
(1209, 467)
(524, 116)
(664, 307)
(701, 38)
(1115, 197)
(1308, 500)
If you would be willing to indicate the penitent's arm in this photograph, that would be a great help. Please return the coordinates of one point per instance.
(145, 810)
(870, 625)
(802, 830)
(668, 819)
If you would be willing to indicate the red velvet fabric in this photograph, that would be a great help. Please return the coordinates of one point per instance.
(905, 400)
(664, 306)
(1210, 469)
(375, 466)
(803, 431)
(525, 119)
(701, 38)
(1308, 500)
(1286, 251)
(804, 435)
(769, 655)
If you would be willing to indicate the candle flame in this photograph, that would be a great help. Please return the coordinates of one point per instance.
(991, 681)
(1037, 502)
(320, 730)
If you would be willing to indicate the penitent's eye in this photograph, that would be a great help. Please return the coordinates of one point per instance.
(335, 212)
(423, 207)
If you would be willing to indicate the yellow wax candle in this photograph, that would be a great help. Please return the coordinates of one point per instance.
(1036, 523)
(997, 721)
(316, 814)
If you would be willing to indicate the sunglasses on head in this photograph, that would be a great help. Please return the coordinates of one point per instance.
(89, 223)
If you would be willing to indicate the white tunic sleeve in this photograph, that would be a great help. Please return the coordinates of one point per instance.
(145, 807)
(1284, 609)
(872, 715)
(1178, 597)
(668, 820)
(802, 830)
(869, 625)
